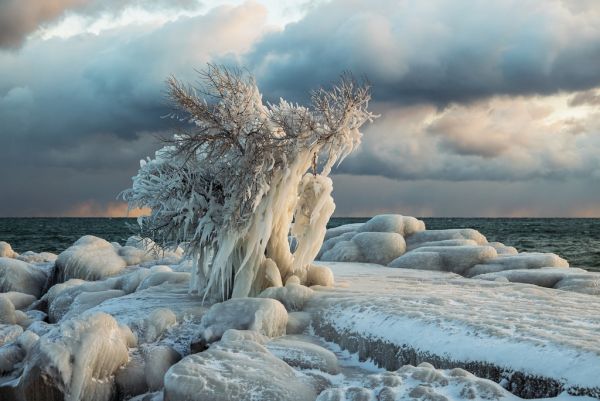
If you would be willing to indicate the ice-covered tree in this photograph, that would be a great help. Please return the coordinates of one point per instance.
(245, 176)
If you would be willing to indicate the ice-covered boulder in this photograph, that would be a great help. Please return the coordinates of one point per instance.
(298, 322)
(441, 235)
(92, 258)
(343, 229)
(393, 223)
(37, 258)
(525, 260)
(379, 240)
(20, 300)
(368, 247)
(504, 249)
(292, 296)
(265, 315)
(77, 360)
(16, 275)
(161, 277)
(303, 355)
(6, 250)
(567, 279)
(319, 275)
(157, 361)
(236, 370)
(89, 258)
(455, 259)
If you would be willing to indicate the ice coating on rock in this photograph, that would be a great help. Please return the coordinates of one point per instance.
(264, 315)
(78, 358)
(16, 275)
(239, 370)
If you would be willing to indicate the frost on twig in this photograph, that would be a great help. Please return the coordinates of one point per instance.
(231, 184)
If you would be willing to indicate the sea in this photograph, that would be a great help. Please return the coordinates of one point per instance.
(577, 240)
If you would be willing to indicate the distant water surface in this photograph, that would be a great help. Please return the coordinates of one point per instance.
(577, 240)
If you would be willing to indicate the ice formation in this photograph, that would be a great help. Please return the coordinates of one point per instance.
(144, 336)
(16, 275)
(232, 185)
(403, 242)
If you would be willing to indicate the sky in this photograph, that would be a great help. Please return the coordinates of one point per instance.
(487, 108)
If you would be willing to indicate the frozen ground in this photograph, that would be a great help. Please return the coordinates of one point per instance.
(397, 316)
(108, 322)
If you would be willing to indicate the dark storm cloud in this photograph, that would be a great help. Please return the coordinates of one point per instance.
(19, 18)
(437, 51)
(92, 104)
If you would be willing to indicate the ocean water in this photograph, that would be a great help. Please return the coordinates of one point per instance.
(577, 240)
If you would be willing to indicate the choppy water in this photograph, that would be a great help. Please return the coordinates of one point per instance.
(577, 240)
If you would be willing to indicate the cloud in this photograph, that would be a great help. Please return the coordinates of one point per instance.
(496, 139)
(438, 51)
(19, 18)
(91, 208)
(426, 198)
(472, 95)
(590, 97)
(90, 106)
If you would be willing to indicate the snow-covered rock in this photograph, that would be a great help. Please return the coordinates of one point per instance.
(319, 275)
(525, 260)
(393, 223)
(6, 250)
(77, 360)
(265, 315)
(441, 235)
(89, 258)
(236, 370)
(303, 355)
(567, 279)
(292, 296)
(37, 258)
(369, 247)
(92, 258)
(456, 259)
(16, 275)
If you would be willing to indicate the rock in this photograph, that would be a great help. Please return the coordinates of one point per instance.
(89, 258)
(304, 355)
(319, 275)
(19, 276)
(242, 370)
(456, 259)
(264, 315)
(292, 296)
(393, 223)
(158, 359)
(6, 250)
(298, 322)
(77, 360)
(525, 260)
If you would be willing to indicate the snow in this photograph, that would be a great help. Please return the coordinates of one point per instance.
(511, 326)
(16, 275)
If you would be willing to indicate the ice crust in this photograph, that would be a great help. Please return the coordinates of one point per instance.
(457, 321)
